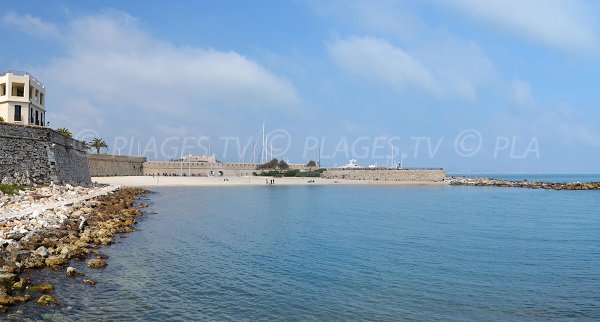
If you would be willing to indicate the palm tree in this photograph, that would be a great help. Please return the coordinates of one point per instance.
(1, 119)
(98, 144)
(64, 132)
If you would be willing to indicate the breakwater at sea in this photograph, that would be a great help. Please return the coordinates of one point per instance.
(49, 226)
(490, 182)
(378, 174)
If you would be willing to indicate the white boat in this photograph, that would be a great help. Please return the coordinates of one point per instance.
(352, 164)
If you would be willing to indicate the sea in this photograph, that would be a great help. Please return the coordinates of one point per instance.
(346, 253)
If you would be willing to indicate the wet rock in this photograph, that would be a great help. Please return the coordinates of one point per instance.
(42, 288)
(6, 300)
(97, 263)
(22, 299)
(99, 255)
(47, 300)
(72, 272)
(56, 261)
(90, 282)
(21, 283)
(7, 278)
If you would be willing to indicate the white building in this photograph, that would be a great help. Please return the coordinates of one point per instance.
(22, 99)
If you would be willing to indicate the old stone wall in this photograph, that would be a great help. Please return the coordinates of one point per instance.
(198, 169)
(103, 165)
(30, 154)
(414, 175)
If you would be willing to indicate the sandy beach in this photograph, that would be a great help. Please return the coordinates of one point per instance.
(149, 181)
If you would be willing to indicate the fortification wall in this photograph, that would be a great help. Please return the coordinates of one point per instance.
(414, 175)
(198, 169)
(105, 165)
(30, 154)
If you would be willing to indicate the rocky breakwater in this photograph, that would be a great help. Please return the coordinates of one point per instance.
(48, 227)
(488, 182)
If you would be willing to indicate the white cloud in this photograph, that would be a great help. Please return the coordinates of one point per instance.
(379, 60)
(115, 68)
(521, 93)
(31, 25)
(450, 69)
(566, 25)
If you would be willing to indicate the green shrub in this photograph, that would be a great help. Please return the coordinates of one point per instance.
(11, 189)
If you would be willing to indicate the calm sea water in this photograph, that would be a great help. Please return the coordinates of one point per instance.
(348, 253)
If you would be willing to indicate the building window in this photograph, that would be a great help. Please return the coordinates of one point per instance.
(31, 115)
(18, 89)
(41, 98)
(17, 113)
(2, 89)
(37, 118)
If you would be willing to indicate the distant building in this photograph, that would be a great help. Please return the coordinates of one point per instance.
(22, 99)
(201, 158)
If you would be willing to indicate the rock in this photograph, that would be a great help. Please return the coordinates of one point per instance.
(21, 283)
(90, 282)
(22, 299)
(97, 263)
(7, 278)
(56, 261)
(72, 272)
(47, 300)
(34, 261)
(42, 288)
(6, 300)
(42, 251)
(15, 236)
(99, 255)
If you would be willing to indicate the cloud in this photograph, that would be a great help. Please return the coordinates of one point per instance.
(521, 94)
(566, 25)
(379, 60)
(450, 69)
(30, 25)
(115, 68)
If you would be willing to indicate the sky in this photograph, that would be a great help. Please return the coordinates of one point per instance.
(496, 86)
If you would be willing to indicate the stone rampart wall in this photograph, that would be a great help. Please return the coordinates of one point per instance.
(31, 154)
(104, 165)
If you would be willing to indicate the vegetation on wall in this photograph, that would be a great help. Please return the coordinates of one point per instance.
(64, 132)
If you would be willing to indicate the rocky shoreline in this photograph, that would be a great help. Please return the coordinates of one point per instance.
(49, 226)
(489, 182)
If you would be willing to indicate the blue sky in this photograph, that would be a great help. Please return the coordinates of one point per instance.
(471, 86)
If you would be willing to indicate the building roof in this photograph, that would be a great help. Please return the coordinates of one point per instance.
(23, 73)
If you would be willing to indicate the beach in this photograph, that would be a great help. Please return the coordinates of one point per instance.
(156, 181)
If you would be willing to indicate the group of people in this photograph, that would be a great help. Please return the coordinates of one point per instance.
(272, 181)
